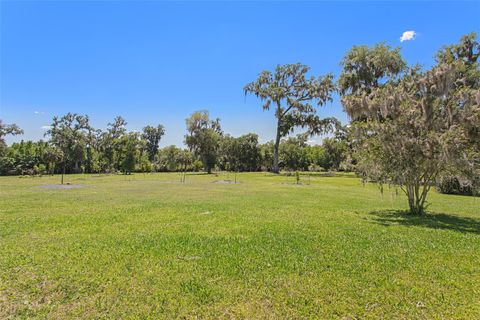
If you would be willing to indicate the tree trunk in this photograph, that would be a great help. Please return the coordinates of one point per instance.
(63, 170)
(416, 199)
(275, 168)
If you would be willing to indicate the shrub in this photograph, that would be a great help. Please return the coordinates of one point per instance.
(457, 185)
(197, 165)
(40, 169)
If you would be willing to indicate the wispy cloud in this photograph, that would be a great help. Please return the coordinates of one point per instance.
(408, 35)
(39, 112)
(45, 127)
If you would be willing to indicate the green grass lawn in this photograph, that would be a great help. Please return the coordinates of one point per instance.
(147, 246)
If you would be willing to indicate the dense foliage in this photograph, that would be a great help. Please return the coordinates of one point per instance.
(117, 150)
(414, 125)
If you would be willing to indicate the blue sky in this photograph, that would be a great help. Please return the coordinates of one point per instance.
(156, 62)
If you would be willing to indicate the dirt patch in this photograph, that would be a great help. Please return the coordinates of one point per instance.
(61, 186)
(225, 182)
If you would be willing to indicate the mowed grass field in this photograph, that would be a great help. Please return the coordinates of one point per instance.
(148, 246)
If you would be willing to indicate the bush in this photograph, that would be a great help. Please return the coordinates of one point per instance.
(457, 185)
(197, 166)
(40, 169)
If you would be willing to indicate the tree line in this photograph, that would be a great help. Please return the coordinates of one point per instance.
(410, 127)
(76, 147)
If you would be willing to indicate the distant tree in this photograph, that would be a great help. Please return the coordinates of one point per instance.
(6, 129)
(292, 94)
(173, 158)
(228, 153)
(117, 128)
(169, 158)
(68, 135)
(336, 152)
(52, 156)
(92, 150)
(239, 153)
(129, 148)
(185, 159)
(152, 136)
(316, 158)
(249, 152)
(109, 144)
(293, 153)
(7, 162)
(128, 158)
(412, 125)
(266, 155)
(29, 157)
(203, 138)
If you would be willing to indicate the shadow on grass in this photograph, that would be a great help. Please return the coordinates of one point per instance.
(432, 220)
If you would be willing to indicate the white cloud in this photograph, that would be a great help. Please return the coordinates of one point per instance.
(408, 35)
(39, 112)
(45, 127)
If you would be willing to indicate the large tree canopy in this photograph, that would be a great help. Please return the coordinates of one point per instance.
(363, 70)
(294, 97)
(415, 125)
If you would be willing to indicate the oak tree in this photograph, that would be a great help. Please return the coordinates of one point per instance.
(294, 97)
